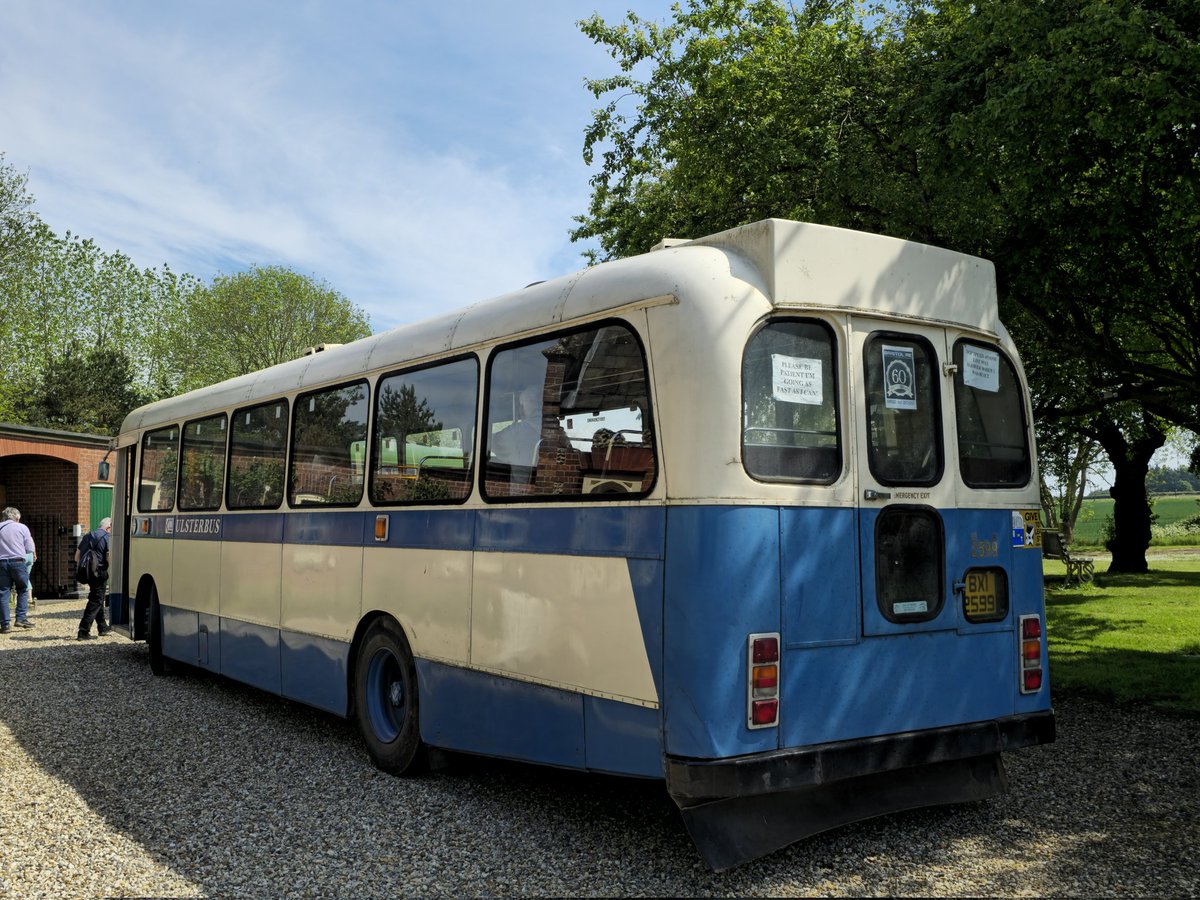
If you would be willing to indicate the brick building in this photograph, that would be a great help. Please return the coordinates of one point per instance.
(51, 477)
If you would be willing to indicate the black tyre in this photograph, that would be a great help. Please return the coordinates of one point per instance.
(159, 664)
(385, 699)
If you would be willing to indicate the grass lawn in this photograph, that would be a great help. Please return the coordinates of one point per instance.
(1135, 638)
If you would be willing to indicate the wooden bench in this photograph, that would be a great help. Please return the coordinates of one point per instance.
(1079, 569)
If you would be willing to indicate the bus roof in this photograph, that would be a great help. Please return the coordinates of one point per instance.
(798, 265)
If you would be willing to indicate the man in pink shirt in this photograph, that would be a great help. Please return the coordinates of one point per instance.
(15, 544)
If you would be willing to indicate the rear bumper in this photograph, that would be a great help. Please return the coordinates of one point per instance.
(740, 809)
(693, 781)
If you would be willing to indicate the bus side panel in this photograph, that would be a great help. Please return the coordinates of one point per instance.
(151, 552)
(251, 560)
(428, 592)
(477, 712)
(722, 584)
(570, 621)
(622, 738)
(313, 670)
(321, 590)
(571, 597)
(321, 581)
(250, 653)
(192, 582)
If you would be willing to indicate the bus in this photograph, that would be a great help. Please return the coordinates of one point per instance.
(754, 515)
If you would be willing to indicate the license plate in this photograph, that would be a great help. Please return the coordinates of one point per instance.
(980, 599)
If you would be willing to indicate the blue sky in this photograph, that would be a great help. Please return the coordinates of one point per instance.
(416, 156)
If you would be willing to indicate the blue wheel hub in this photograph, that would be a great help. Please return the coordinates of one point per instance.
(385, 696)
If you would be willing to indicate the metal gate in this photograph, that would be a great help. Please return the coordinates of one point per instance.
(54, 572)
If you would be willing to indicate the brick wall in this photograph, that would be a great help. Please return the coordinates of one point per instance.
(48, 479)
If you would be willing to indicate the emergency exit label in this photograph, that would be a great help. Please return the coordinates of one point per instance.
(1026, 530)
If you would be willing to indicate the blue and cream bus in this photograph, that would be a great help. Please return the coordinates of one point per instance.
(753, 514)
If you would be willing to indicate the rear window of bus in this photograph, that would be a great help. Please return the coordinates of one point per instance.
(993, 448)
(790, 417)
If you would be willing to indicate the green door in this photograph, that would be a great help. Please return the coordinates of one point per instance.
(100, 497)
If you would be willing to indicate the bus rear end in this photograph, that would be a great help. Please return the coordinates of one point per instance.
(864, 632)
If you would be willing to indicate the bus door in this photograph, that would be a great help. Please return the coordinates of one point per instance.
(911, 671)
(121, 594)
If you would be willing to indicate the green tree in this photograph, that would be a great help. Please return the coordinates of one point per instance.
(17, 221)
(64, 297)
(90, 391)
(259, 318)
(16, 216)
(1058, 139)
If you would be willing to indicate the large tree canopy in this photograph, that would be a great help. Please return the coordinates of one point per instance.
(1059, 139)
(260, 318)
(90, 391)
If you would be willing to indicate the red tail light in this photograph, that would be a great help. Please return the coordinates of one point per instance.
(762, 691)
(765, 649)
(764, 713)
(1032, 665)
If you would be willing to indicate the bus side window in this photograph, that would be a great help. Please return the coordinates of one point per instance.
(257, 445)
(160, 467)
(569, 417)
(424, 425)
(325, 426)
(202, 469)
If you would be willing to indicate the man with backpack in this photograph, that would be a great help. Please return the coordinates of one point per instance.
(91, 560)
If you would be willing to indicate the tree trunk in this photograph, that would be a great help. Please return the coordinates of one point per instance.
(1130, 460)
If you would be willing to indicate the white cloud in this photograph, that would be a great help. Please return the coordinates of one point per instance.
(329, 139)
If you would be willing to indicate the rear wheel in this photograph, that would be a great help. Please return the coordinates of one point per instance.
(385, 699)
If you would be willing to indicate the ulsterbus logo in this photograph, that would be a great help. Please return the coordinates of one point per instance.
(203, 525)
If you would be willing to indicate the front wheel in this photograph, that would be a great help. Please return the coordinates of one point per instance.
(159, 664)
(385, 699)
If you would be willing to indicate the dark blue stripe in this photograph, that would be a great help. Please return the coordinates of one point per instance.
(338, 529)
(250, 653)
(477, 712)
(426, 529)
(629, 531)
(254, 528)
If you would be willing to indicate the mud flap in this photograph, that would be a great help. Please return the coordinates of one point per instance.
(734, 830)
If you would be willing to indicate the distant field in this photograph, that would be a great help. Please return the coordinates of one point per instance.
(1169, 509)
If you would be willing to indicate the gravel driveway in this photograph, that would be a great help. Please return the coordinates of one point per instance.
(117, 783)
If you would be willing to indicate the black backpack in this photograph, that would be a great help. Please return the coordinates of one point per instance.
(91, 565)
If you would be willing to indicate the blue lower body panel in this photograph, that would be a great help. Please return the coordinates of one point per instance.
(313, 671)
(461, 709)
(484, 713)
(249, 653)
